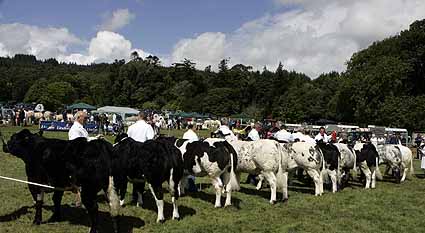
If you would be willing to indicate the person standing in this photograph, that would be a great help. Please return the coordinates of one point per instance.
(140, 131)
(77, 131)
(253, 134)
(322, 135)
(225, 131)
(190, 134)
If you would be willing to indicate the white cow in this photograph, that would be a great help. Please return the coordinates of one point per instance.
(303, 155)
(398, 158)
(263, 157)
(307, 156)
(347, 161)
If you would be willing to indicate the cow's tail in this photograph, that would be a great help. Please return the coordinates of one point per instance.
(355, 162)
(234, 183)
(114, 201)
(378, 173)
(280, 173)
(412, 171)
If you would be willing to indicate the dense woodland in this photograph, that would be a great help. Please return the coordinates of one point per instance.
(383, 85)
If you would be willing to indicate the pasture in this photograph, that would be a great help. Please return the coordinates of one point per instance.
(388, 208)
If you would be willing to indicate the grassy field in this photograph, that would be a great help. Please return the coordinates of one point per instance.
(388, 208)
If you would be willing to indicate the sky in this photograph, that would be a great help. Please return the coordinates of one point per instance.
(309, 36)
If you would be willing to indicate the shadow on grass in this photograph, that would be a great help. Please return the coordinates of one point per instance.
(150, 204)
(78, 216)
(210, 198)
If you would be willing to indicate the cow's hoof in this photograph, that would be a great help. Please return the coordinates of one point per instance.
(227, 205)
(272, 202)
(92, 230)
(160, 221)
(217, 206)
(285, 200)
(176, 218)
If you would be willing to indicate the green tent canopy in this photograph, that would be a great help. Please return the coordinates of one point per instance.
(88, 107)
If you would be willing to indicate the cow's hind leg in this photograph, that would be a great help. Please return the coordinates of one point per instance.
(285, 186)
(88, 197)
(228, 185)
(156, 190)
(260, 182)
(174, 191)
(333, 176)
(373, 177)
(57, 199)
(271, 179)
(218, 186)
(404, 171)
(318, 183)
(38, 208)
(368, 174)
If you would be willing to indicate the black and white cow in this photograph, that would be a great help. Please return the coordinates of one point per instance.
(399, 158)
(153, 161)
(367, 160)
(331, 157)
(212, 158)
(63, 164)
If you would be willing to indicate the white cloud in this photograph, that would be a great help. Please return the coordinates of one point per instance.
(105, 47)
(41, 42)
(55, 43)
(315, 37)
(208, 48)
(118, 19)
(3, 51)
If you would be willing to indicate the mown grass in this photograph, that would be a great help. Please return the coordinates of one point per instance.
(388, 208)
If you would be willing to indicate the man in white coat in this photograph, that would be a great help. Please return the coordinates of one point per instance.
(225, 130)
(253, 134)
(190, 134)
(140, 131)
(77, 129)
(322, 135)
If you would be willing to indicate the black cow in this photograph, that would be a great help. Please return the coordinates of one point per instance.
(367, 159)
(330, 155)
(65, 164)
(153, 161)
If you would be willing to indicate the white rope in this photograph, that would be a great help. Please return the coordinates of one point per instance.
(27, 182)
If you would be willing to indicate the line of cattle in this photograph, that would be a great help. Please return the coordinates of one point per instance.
(98, 165)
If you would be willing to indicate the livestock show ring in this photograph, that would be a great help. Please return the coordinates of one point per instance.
(363, 179)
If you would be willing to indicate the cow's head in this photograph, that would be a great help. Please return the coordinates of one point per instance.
(192, 157)
(20, 143)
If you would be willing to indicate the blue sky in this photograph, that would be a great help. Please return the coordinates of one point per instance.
(310, 36)
(157, 26)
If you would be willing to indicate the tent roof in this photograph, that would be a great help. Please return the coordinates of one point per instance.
(114, 109)
(81, 106)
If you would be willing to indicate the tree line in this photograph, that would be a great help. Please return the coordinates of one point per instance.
(384, 84)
